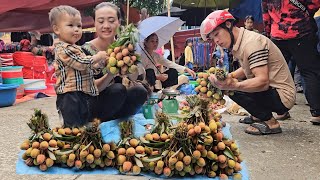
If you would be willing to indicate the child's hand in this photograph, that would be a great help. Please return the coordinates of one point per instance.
(99, 60)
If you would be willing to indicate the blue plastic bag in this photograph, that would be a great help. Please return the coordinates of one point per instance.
(187, 89)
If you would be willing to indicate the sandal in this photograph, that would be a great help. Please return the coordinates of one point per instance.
(263, 128)
(315, 122)
(285, 116)
(248, 120)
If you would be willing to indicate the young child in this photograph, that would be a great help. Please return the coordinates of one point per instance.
(75, 87)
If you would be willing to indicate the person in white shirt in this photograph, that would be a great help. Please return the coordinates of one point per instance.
(150, 60)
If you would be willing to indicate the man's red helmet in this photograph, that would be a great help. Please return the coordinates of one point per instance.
(212, 21)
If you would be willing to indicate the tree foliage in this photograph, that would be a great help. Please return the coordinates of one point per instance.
(154, 7)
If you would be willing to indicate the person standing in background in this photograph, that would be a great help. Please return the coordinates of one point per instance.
(249, 22)
(290, 25)
(143, 14)
(188, 54)
(317, 19)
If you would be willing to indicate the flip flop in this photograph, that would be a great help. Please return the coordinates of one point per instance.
(263, 128)
(247, 120)
(284, 117)
(315, 122)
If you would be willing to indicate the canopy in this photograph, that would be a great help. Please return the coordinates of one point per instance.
(192, 16)
(31, 15)
(213, 4)
(248, 7)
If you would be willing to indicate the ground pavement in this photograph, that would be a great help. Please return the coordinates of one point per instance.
(294, 154)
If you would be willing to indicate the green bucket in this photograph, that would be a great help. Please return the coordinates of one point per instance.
(148, 111)
(13, 80)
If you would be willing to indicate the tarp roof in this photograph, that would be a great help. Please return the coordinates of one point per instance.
(31, 15)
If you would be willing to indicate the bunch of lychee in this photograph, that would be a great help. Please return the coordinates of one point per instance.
(205, 88)
(38, 152)
(122, 60)
(85, 155)
(128, 157)
(213, 149)
(90, 157)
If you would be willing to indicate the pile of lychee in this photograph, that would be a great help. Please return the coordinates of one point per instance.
(206, 151)
(53, 147)
(122, 60)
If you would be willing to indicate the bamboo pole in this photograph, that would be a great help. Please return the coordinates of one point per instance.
(128, 11)
(171, 40)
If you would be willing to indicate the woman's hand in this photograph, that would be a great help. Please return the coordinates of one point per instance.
(162, 77)
(192, 73)
(228, 84)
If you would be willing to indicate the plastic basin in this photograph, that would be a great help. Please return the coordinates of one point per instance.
(8, 94)
(35, 90)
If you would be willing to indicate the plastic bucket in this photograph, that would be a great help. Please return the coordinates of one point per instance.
(12, 75)
(7, 94)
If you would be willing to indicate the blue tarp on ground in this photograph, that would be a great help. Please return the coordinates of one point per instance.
(111, 132)
(248, 7)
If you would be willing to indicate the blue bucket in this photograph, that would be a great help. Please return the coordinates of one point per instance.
(8, 94)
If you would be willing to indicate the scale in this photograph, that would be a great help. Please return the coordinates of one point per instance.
(170, 103)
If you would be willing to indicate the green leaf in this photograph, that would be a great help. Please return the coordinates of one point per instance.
(213, 163)
(143, 140)
(52, 149)
(165, 153)
(162, 128)
(55, 134)
(75, 147)
(140, 155)
(118, 30)
(52, 156)
(138, 162)
(69, 139)
(228, 153)
(187, 150)
(86, 146)
(153, 141)
(146, 159)
(156, 145)
(173, 155)
(60, 152)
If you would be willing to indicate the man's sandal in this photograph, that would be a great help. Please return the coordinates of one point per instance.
(263, 128)
(315, 122)
(285, 116)
(247, 120)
